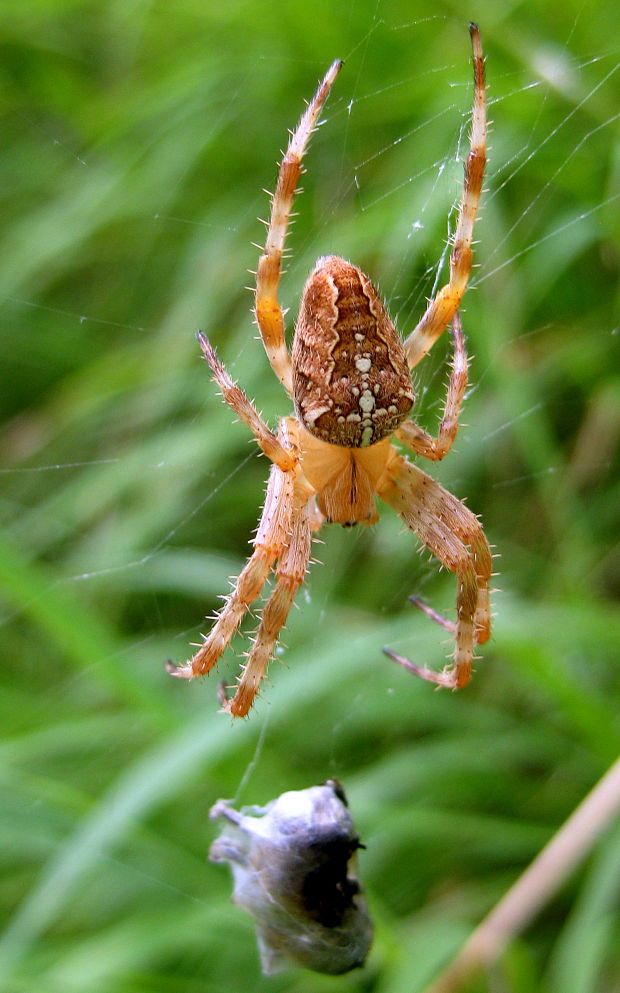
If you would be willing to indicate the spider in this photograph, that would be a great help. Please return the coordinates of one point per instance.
(349, 376)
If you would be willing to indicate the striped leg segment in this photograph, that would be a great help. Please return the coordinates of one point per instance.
(269, 316)
(454, 535)
(443, 307)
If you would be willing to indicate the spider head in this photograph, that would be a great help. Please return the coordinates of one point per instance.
(351, 382)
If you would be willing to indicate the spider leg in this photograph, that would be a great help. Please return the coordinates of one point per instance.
(283, 536)
(419, 440)
(272, 534)
(454, 535)
(245, 409)
(269, 316)
(442, 308)
(443, 622)
(292, 565)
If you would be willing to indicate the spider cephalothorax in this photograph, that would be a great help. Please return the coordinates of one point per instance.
(349, 377)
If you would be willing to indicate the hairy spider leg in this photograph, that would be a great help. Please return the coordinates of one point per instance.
(454, 535)
(293, 560)
(283, 537)
(269, 315)
(419, 440)
(442, 308)
(273, 530)
(245, 409)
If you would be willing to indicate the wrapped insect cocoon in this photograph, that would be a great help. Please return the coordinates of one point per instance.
(292, 864)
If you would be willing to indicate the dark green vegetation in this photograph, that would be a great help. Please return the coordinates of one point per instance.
(136, 141)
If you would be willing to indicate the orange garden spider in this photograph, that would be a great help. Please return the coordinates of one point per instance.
(349, 376)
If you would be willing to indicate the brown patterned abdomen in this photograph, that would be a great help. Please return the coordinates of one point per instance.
(351, 382)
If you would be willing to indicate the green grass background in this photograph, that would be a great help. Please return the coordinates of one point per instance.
(137, 139)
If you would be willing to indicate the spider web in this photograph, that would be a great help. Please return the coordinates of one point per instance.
(586, 79)
(437, 174)
(539, 214)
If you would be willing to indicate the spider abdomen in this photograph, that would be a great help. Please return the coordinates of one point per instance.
(351, 381)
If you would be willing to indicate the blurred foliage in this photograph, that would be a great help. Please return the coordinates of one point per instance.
(137, 141)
